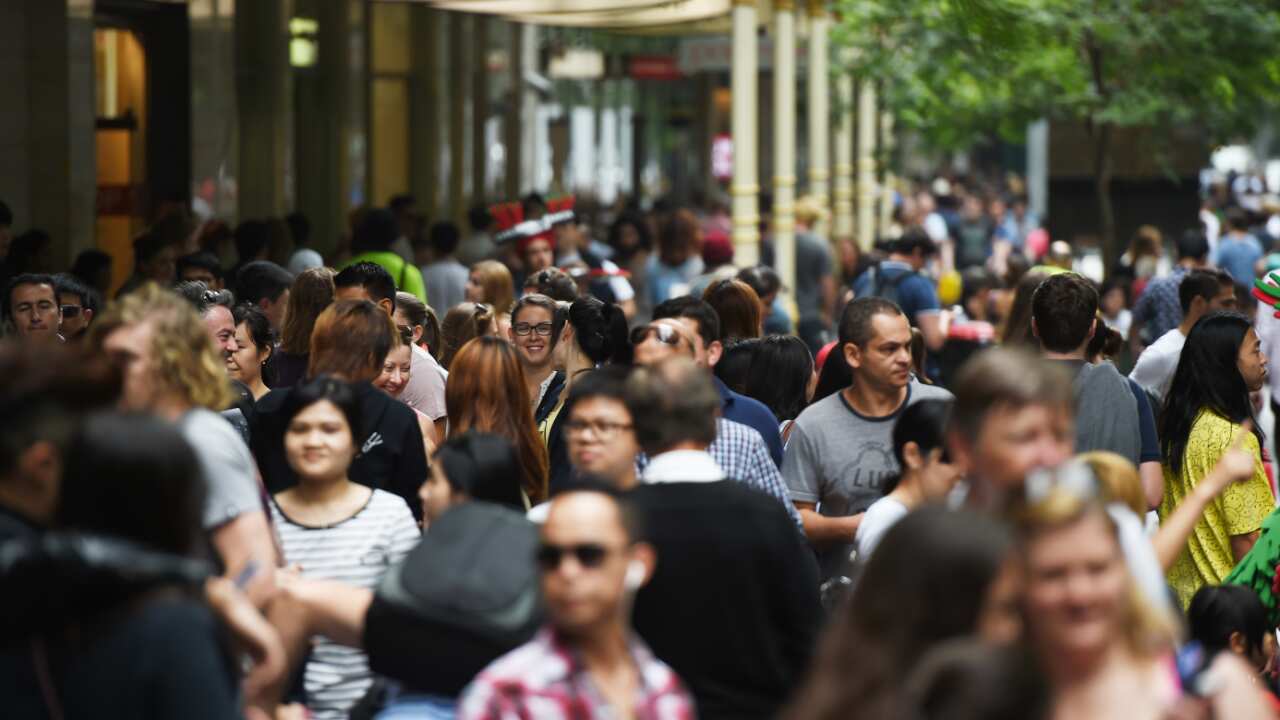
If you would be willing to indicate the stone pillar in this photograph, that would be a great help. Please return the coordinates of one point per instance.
(479, 108)
(866, 164)
(842, 227)
(457, 29)
(512, 131)
(745, 188)
(784, 141)
(425, 106)
(819, 111)
(886, 188)
(264, 95)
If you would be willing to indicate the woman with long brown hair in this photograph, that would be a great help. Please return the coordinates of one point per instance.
(490, 283)
(464, 322)
(311, 293)
(740, 310)
(486, 393)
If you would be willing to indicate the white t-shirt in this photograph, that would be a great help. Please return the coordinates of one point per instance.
(1157, 364)
(881, 516)
(425, 389)
(230, 475)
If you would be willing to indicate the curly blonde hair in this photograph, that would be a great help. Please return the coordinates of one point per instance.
(182, 353)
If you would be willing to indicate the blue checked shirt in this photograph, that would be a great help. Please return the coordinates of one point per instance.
(1158, 308)
(741, 453)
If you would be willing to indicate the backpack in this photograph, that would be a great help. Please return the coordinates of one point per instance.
(888, 289)
(473, 572)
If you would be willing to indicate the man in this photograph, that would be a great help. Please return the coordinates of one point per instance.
(266, 285)
(170, 371)
(32, 307)
(1158, 309)
(202, 266)
(536, 321)
(1200, 293)
(78, 303)
(738, 449)
(42, 396)
(586, 663)
(815, 289)
(733, 604)
(214, 308)
(1238, 251)
(702, 321)
(1012, 414)
(154, 260)
(425, 390)
(372, 243)
(445, 277)
(840, 452)
(599, 430)
(898, 279)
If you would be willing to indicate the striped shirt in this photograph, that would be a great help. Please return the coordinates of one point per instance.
(356, 551)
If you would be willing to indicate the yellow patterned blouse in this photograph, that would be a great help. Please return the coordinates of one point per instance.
(1238, 511)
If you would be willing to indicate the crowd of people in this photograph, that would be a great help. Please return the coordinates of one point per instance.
(576, 463)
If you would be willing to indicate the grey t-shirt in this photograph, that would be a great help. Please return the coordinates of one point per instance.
(230, 475)
(840, 460)
(813, 263)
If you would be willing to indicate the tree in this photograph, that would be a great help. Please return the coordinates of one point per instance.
(956, 70)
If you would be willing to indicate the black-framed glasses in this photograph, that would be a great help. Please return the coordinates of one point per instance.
(70, 311)
(588, 555)
(665, 334)
(543, 329)
(602, 429)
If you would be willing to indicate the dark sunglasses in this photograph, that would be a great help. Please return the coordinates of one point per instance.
(665, 334)
(588, 555)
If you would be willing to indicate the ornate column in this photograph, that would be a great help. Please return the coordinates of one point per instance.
(745, 188)
(866, 164)
(843, 225)
(784, 140)
(819, 111)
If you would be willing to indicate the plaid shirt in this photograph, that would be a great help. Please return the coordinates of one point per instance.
(545, 680)
(1158, 308)
(740, 452)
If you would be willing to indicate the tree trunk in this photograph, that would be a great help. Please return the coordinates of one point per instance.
(1102, 186)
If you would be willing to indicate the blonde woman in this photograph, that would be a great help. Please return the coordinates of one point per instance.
(1107, 652)
(490, 283)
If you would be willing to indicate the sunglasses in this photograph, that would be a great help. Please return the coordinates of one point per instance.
(665, 334)
(588, 555)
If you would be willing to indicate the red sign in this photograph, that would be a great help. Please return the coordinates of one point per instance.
(653, 67)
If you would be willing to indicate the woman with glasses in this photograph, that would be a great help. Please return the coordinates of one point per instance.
(536, 321)
(254, 348)
(595, 334)
(1206, 405)
(486, 393)
(1107, 652)
(464, 322)
(335, 529)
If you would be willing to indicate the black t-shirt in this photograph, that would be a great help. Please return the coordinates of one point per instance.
(161, 659)
(391, 456)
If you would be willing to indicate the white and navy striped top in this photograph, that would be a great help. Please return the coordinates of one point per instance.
(356, 551)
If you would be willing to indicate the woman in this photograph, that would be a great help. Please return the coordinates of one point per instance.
(595, 333)
(741, 313)
(1017, 325)
(334, 528)
(310, 294)
(254, 347)
(679, 257)
(1232, 618)
(486, 393)
(735, 363)
(471, 466)
(421, 320)
(1208, 400)
(131, 478)
(894, 615)
(1106, 651)
(464, 322)
(782, 377)
(394, 378)
(927, 474)
(490, 283)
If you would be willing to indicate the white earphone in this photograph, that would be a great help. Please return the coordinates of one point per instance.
(635, 576)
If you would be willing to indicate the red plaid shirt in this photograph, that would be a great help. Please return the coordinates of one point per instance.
(545, 680)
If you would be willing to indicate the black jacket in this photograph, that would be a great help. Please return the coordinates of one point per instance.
(391, 456)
